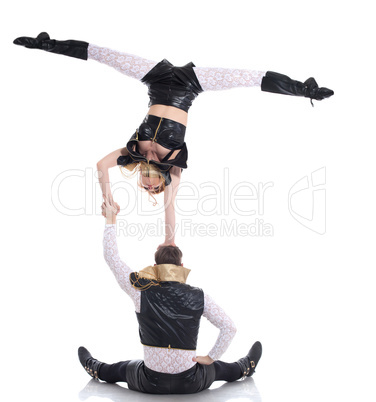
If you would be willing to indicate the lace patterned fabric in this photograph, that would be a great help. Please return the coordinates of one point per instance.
(170, 361)
(210, 79)
(219, 319)
(128, 64)
(214, 79)
(159, 359)
(118, 267)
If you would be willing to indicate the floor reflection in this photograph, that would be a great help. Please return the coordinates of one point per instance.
(238, 390)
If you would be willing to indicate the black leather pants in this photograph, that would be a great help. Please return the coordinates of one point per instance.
(142, 379)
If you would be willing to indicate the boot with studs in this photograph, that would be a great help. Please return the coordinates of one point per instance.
(90, 364)
(248, 363)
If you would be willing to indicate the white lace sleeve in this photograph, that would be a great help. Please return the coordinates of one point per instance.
(214, 79)
(218, 317)
(128, 64)
(118, 267)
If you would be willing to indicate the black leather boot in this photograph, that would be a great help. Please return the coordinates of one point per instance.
(248, 363)
(282, 84)
(72, 48)
(90, 364)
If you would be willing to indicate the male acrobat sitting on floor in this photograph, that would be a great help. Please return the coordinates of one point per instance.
(169, 312)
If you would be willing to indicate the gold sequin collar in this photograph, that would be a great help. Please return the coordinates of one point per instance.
(165, 273)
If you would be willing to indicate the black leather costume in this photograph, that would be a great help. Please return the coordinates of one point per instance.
(167, 133)
(141, 378)
(169, 318)
(171, 86)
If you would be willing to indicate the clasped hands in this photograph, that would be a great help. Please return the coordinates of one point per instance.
(109, 206)
(110, 209)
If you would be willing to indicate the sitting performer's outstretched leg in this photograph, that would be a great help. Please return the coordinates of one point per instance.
(112, 373)
(227, 371)
(244, 367)
(106, 372)
(226, 78)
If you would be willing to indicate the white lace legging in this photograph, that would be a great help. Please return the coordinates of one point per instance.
(209, 78)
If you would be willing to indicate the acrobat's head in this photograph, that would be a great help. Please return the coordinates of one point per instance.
(168, 255)
(168, 268)
(150, 177)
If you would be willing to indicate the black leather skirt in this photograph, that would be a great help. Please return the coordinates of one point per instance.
(142, 379)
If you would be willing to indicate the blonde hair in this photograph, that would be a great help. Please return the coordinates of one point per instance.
(146, 170)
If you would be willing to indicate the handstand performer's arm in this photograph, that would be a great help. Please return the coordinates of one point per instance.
(169, 201)
(111, 255)
(218, 318)
(103, 165)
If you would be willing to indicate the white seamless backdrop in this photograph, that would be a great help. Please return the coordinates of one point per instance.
(291, 262)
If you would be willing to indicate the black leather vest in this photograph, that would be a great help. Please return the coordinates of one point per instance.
(170, 315)
(172, 86)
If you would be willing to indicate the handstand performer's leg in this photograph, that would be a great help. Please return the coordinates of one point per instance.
(128, 64)
(212, 79)
(215, 79)
(72, 48)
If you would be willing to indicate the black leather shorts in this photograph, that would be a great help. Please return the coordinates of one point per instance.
(168, 133)
(142, 379)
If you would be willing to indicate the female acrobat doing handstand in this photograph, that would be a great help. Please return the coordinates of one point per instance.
(157, 150)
